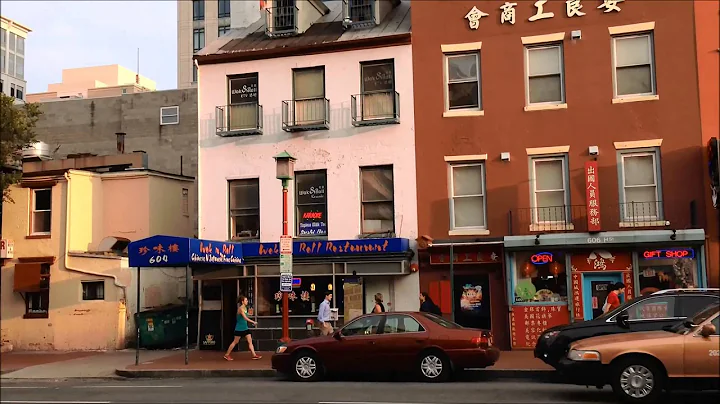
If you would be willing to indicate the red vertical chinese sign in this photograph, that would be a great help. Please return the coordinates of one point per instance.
(592, 194)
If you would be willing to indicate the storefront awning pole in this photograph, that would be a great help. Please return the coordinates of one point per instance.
(452, 282)
(137, 320)
(188, 293)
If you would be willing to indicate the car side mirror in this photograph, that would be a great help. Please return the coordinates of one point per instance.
(623, 319)
(707, 330)
(338, 336)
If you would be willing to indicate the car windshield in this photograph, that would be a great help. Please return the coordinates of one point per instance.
(696, 320)
(441, 321)
(618, 310)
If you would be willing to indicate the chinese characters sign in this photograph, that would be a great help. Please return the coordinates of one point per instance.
(573, 8)
(577, 297)
(592, 195)
(169, 251)
(483, 257)
(527, 323)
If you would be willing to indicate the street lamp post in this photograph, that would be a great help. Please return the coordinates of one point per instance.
(285, 171)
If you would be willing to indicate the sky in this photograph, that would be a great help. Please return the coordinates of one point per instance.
(69, 34)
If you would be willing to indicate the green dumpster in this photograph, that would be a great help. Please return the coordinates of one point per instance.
(162, 327)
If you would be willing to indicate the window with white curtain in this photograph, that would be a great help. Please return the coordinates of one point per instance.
(377, 190)
(309, 95)
(463, 81)
(544, 74)
(634, 66)
(467, 196)
(244, 208)
(640, 197)
(549, 188)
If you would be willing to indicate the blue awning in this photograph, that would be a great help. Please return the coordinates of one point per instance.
(171, 251)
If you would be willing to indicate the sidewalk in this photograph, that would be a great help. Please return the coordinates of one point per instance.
(512, 364)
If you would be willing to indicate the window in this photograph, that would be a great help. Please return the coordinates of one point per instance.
(634, 72)
(195, 73)
(311, 202)
(13, 38)
(124, 90)
(549, 189)
(378, 210)
(170, 115)
(362, 326)
(20, 46)
(3, 37)
(223, 8)
(467, 196)
(692, 305)
(198, 39)
(243, 111)
(544, 75)
(37, 304)
(378, 89)
(398, 324)
(41, 212)
(463, 81)
(653, 309)
(19, 93)
(441, 321)
(12, 89)
(308, 296)
(2, 86)
(656, 274)
(3, 65)
(223, 29)
(93, 290)
(198, 10)
(20, 67)
(11, 64)
(538, 283)
(245, 209)
(639, 193)
(185, 202)
(309, 95)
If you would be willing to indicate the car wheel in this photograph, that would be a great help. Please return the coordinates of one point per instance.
(306, 367)
(433, 366)
(638, 380)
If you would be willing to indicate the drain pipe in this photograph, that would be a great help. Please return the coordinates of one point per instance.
(67, 248)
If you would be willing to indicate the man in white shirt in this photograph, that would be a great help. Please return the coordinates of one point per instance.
(323, 317)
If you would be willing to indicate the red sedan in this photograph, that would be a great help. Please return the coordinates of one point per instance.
(423, 343)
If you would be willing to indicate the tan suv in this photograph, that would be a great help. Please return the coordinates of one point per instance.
(639, 366)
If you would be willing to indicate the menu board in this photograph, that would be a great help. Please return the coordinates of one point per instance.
(244, 89)
(311, 203)
(527, 323)
(377, 77)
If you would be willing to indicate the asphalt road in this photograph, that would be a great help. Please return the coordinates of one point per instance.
(267, 391)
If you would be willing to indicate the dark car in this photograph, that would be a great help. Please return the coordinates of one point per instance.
(654, 312)
(423, 343)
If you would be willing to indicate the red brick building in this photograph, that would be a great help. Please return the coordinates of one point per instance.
(560, 148)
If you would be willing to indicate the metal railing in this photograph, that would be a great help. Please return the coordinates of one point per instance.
(306, 114)
(376, 108)
(281, 21)
(358, 13)
(239, 119)
(641, 214)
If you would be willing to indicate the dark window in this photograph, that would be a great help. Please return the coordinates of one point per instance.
(198, 10)
(463, 81)
(311, 202)
(41, 211)
(223, 29)
(377, 191)
(692, 305)
(195, 73)
(244, 209)
(653, 309)
(362, 326)
(94, 290)
(198, 39)
(223, 8)
(12, 90)
(37, 304)
(19, 93)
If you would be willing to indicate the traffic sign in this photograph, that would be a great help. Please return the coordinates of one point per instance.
(286, 282)
(286, 245)
(286, 264)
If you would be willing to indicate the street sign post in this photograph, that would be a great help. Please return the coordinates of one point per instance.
(286, 281)
(286, 244)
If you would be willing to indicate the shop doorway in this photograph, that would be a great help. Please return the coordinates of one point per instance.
(595, 291)
(471, 297)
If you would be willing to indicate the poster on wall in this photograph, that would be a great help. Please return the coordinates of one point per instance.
(472, 298)
(527, 323)
(472, 301)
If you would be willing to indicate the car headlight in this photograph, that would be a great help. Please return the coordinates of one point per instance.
(580, 355)
(550, 335)
(281, 349)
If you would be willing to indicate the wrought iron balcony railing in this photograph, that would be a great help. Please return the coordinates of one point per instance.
(359, 13)
(239, 119)
(306, 114)
(376, 108)
(641, 214)
(281, 21)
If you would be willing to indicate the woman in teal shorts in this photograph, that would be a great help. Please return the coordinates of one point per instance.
(242, 330)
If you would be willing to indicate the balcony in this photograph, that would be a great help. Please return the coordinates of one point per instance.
(561, 219)
(376, 108)
(239, 119)
(359, 13)
(307, 114)
(641, 214)
(281, 21)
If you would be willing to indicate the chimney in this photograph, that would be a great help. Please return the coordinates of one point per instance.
(120, 142)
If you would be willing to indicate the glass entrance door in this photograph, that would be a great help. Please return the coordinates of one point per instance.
(595, 291)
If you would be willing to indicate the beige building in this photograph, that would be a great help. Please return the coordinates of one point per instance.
(12, 58)
(95, 82)
(203, 21)
(67, 285)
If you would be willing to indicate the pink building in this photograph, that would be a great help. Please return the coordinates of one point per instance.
(330, 83)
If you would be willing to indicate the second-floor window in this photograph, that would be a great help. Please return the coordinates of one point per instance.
(243, 101)
(223, 29)
(41, 211)
(377, 192)
(467, 196)
(309, 95)
(639, 193)
(245, 209)
(463, 81)
(544, 74)
(378, 89)
(170, 115)
(223, 8)
(634, 65)
(198, 10)
(20, 67)
(311, 203)
(198, 39)
(549, 189)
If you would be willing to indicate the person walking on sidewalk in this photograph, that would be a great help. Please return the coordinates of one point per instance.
(326, 327)
(242, 330)
(379, 306)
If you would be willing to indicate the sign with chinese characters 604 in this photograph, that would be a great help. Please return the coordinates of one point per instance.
(527, 323)
(507, 11)
(170, 251)
(592, 194)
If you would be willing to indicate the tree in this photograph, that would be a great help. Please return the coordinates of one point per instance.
(17, 130)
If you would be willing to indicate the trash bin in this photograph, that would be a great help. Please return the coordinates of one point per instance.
(162, 328)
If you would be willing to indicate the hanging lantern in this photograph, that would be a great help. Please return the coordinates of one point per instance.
(528, 269)
(556, 268)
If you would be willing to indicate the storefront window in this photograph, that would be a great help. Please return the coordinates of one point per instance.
(540, 277)
(304, 300)
(671, 268)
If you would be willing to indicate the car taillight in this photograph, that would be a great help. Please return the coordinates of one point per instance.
(483, 341)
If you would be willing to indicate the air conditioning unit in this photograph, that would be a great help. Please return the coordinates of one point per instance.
(38, 150)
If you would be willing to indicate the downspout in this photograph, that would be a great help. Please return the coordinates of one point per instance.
(67, 248)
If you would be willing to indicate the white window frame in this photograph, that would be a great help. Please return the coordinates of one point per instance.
(651, 50)
(628, 215)
(451, 186)
(534, 190)
(34, 210)
(93, 282)
(176, 115)
(446, 62)
(530, 48)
